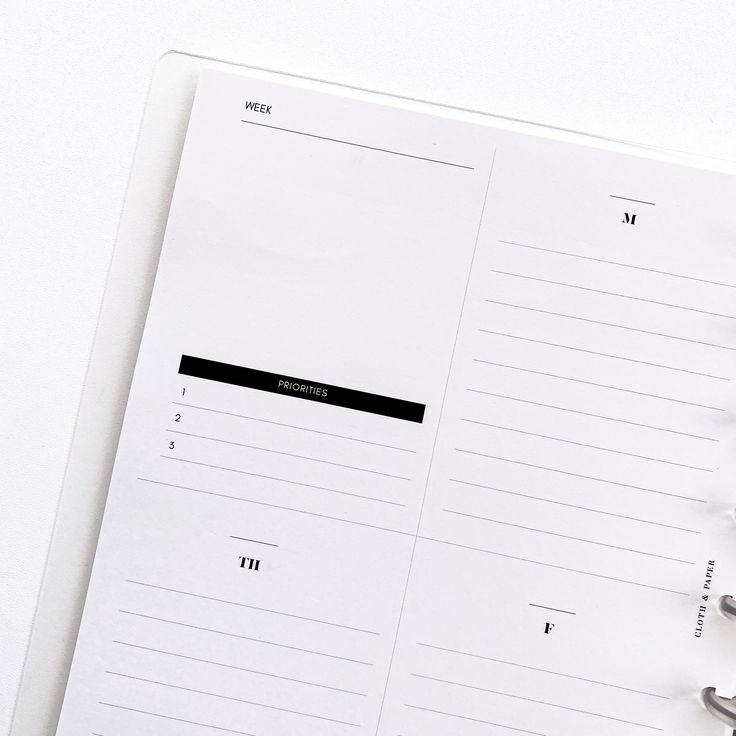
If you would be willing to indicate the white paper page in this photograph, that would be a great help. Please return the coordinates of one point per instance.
(407, 385)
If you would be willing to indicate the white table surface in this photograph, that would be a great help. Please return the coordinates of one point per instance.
(73, 82)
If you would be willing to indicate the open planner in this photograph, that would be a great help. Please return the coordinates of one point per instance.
(431, 432)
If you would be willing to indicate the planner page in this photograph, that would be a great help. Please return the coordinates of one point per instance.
(431, 432)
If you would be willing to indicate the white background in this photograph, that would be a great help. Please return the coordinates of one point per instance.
(73, 82)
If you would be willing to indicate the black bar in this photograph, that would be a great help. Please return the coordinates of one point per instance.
(301, 388)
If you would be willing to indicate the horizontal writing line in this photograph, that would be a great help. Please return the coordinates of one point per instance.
(585, 444)
(552, 566)
(617, 263)
(247, 638)
(273, 506)
(597, 416)
(288, 454)
(236, 667)
(611, 324)
(229, 697)
(282, 480)
(603, 355)
(574, 506)
(532, 700)
(611, 293)
(474, 720)
(254, 608)
(579, 475)
(539, 669)
(549, 608)
(566, 536)
(293, 426)
(358, 145)
(178, 720)
(598, 385)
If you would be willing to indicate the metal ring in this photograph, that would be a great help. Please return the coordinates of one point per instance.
(727, 606)
(722, 708)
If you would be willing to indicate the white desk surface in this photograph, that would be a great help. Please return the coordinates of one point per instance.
(73, 81)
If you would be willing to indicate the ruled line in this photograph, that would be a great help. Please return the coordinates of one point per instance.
(549, 608)
(597, 416)
(539, 702)
(231, 698)
(603, 355)
(253, 608)
(240, 669)
(247, 638)
(272, 505)
(598, 385)
(610, 324)
(294, 426)
(630, 199)
(555, 567)
(566, 536)
(574, 506)
(610, 293)
(255, 541)
(288, 454)
(284, 480)
(540, 669)
(618, 263)
(358, 145)
(579, 475)
(174, 718)
(474, 720)
(584, 444)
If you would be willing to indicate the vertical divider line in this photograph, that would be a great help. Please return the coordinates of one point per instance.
(434, 445)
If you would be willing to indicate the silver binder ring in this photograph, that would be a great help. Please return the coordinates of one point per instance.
(727, 606)
(722, 708)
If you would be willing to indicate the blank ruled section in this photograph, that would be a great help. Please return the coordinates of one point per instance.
(598, 441)
(279, 667)
(586, 413)
(590, 393)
